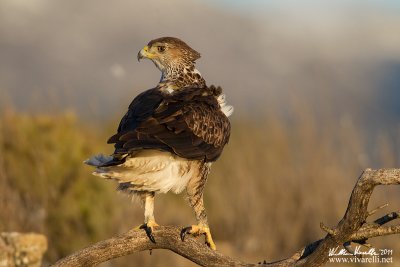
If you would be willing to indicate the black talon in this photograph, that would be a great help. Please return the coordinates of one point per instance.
(185, 231)
(148, 231)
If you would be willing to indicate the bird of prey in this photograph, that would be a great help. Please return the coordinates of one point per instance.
(170, 135)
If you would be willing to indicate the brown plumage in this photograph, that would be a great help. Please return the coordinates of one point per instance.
(187, 53)
(170, 135)
(188, 123)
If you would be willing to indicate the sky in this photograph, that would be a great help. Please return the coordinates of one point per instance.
(256, 4)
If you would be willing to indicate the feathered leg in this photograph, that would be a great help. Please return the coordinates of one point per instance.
(195, 189)
(149, 221)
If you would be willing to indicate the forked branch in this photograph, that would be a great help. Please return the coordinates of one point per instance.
(351, 228)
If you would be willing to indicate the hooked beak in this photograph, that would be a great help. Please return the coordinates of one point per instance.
(144, 53)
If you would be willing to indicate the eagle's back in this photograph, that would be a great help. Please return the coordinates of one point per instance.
(188, 123)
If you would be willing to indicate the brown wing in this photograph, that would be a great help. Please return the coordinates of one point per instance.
(189, 124)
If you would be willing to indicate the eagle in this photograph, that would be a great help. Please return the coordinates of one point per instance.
(170, 136)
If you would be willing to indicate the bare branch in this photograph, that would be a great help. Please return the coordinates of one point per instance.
(375, 232)
(327, 229)
(167, 237)
(351, 228)
(372, 212)
(356, 213)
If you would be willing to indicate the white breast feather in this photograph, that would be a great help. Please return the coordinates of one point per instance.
(170, 90)
(225, 108)
(197, 71)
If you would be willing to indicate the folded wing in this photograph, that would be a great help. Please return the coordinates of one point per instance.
(189, 123)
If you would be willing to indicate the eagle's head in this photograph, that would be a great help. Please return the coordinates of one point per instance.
(175, 59)
(166, 52)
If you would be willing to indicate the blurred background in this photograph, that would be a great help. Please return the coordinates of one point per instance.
(315, 86)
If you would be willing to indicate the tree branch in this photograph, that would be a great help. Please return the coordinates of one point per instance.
(352, 227)
(167, 237)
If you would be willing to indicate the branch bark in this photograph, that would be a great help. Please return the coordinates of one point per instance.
(352, 227)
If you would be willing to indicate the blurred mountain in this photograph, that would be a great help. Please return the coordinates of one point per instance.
(82, 55)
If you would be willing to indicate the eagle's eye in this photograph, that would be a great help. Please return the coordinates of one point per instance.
(161, 48)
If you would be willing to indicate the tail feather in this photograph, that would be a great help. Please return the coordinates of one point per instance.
(99, 160)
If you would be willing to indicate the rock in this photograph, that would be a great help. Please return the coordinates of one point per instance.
(22, 250)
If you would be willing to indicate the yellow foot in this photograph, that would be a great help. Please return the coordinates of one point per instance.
(149, 228)
(200, 229)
